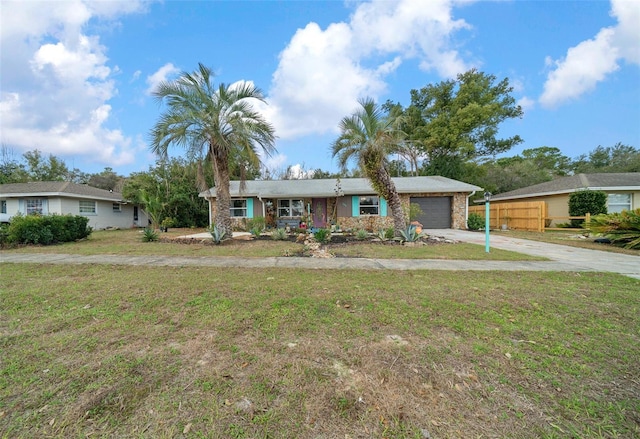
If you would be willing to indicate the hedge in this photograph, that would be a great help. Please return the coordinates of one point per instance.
(586, 201)
(47, 229)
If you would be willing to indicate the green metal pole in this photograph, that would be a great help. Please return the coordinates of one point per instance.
(486, 226)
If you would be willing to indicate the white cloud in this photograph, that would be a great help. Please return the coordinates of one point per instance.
(593, 60)
(526, 103)
(56, 82)
(161, 75)
(274, 164)
(322, 73)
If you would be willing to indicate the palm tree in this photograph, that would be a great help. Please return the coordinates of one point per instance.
(369, 137)
(218, 123)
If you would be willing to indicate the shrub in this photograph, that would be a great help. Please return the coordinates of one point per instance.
(475, 222)
(587, 201)
(389, 233)
(414, 211)
(4, 234)
(166, 223)
(279, 235)
(257, 223)
(47, 229)
(385, 234)
(621, 228)
(322, 236)
(149, 235)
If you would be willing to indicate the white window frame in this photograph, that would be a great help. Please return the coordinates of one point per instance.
(3, 206)
(117, 207)
(87, 209)
(34, 206)
(290, 210)
(617, 205)
(372, 208)
(242, 209)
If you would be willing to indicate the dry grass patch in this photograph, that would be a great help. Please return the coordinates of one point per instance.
(129, 243)
(114, 351)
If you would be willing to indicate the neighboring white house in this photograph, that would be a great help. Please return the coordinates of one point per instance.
(103, 208)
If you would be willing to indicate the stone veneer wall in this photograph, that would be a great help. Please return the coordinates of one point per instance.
(370, 223)
(374, 223)
(459, 214)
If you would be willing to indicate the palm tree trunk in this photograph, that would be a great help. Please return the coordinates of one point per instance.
(384, 185)
(223, 196)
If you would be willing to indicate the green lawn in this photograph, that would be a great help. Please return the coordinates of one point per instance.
(129, 242)
(119, 351)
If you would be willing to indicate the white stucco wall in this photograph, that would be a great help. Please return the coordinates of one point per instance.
(103, 218)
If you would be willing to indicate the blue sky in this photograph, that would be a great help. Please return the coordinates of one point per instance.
(75, 76)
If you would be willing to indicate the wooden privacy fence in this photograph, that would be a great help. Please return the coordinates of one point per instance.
(522, 215)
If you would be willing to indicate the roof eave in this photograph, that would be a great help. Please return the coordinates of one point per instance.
(566, 191)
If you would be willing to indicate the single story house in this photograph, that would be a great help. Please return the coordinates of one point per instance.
(103, 208)
(623, 192)
(350, 203)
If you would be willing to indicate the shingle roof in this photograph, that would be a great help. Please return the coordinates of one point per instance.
(349, 186)
(57, 188)
(613, 181)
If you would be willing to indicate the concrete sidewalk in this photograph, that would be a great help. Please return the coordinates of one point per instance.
(562, 258)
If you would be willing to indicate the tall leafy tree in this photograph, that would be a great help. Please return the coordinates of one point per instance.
(11, 170)
(218, 122)
(460, 120)
(616, 158)
(40, 168)
(170, 182)
(369, 136)
(107, 179)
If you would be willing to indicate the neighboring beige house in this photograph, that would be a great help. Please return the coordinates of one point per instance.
(350, 203)
(103, 208)
(623, 192)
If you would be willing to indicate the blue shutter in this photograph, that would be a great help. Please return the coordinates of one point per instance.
(355, 206)
(21, 206)
(383, 207)
(45, 206)
(249, 207)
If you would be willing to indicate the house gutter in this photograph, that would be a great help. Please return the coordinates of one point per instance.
(264, 212)
(466, 206)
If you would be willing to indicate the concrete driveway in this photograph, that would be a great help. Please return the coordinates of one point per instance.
(566, 256)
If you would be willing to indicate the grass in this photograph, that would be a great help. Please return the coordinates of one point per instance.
(118, 351)
(568, 237)
(129, 242)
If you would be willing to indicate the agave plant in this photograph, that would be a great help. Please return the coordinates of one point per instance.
(621, 228)
(410, 234)
(149, 235)
(382, 235)
(217, 234)
(361, 235)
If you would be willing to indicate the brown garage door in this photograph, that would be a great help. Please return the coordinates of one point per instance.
(436, 212)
